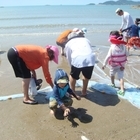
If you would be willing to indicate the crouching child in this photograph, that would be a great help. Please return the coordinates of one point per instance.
(62, 93)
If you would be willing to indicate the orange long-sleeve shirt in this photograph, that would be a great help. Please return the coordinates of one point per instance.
(62, 38)
(35, 57)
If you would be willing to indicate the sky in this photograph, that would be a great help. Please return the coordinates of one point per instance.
(49, 2)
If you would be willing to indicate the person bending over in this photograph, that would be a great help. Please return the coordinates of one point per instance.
(26, 58)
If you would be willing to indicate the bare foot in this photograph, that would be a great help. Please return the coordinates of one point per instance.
(83, 94)
(52, 112)
(29, 101)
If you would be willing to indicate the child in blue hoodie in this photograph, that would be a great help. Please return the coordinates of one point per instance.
(61, 93)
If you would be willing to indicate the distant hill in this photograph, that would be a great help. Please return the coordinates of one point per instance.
(120, 2)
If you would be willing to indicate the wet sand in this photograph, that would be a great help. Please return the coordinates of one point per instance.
(108, 117)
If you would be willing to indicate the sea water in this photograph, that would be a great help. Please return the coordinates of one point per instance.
(38, 23)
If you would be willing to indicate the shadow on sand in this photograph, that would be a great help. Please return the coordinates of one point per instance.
(79, 113)
(40, 98)
(101, 98)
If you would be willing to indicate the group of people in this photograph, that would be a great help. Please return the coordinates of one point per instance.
(78, 50)
(25, 59)
(121, 41)
(129, 28)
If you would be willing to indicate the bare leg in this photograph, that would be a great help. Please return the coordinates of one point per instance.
(112, 79)
(127, 39)
(72, 83)
(25, 87)
(122, 84)
(85, 84)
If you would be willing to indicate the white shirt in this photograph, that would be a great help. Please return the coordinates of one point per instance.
(79, 52)
(127, 20)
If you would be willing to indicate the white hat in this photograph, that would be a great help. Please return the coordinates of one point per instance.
(75, 29)
(62, 81)
(118, 10)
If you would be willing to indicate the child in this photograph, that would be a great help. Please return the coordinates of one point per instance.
(116, 57)
(61, 93)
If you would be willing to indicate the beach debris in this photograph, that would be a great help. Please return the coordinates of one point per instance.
(84, 138)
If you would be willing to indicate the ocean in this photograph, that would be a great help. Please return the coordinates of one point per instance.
(42, 24)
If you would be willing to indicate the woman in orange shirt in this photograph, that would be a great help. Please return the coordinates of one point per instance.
(26, 58)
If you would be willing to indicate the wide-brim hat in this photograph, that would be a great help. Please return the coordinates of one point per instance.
(56, 52)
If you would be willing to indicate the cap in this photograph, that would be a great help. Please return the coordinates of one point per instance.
(62, 80)
(79, 32)
(118, 10)
(84, 30)
(56, 52)
(75, 29)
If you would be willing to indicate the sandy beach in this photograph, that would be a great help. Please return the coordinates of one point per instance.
(108, 117)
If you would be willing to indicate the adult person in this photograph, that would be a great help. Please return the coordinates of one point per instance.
(26, 58)
(127, 21)
(81, 59)
(63, 38)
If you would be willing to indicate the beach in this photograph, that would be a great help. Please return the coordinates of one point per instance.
(101, 116)
(110, 117)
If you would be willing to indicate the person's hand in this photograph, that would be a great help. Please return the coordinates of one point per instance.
(78, 98)
(66, 112)
(51, 85)
(34, 74)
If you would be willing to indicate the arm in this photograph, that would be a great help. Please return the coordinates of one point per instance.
(34, 74)
(47, 75)
(126, 29)
(72, 93)
(107, 58)
(59, 101)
